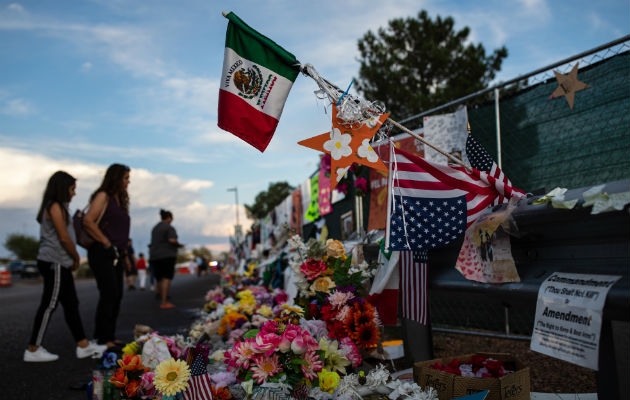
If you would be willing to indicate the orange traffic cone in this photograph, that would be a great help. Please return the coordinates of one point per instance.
(5, 278)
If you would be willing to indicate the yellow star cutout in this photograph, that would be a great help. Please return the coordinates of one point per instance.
(567, 85)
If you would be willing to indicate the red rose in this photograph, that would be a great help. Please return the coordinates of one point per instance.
(312, 268)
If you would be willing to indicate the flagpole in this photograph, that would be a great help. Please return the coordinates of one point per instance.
(334, 93)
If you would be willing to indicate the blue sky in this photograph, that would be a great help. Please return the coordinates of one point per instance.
(88, 83)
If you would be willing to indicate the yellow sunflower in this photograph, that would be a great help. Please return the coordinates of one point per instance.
(171, 377)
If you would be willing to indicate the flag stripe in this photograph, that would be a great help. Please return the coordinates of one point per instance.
(236, 116)
(250, 44)
(414, 288)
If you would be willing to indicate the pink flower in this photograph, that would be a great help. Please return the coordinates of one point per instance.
(303, 343)
(351, 351)
(360, 183)
(281, 297)
(270, 326)
(147, 389)
(342, 187)
(324, 163)
(288, 336)
(266, 343)
(265, 367)
(241, 354)
(313, 268)
(338, 299)
(223, 379)
(313, 366)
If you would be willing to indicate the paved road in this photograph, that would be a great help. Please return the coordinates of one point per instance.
(18, 303)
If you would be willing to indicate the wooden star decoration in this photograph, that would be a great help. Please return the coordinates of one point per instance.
(346, 146)
(567, 85)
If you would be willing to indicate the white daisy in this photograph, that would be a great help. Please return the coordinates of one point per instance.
(366, 151)
(338, 144)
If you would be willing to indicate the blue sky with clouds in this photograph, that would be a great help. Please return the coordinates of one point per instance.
(88, 83)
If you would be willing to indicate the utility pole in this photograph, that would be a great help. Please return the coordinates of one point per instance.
(237, 228)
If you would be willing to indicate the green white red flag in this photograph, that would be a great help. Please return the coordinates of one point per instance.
(256, 80)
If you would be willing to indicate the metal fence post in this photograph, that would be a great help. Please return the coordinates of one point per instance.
(498, 123)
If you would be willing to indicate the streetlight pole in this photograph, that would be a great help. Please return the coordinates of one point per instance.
(238, 226)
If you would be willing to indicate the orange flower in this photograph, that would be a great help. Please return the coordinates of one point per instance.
(363, 314)
(131, 363)
(366, 336)
(131, 388)
(119, 378)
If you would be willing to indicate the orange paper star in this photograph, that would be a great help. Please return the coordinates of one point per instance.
(347, 146)
(568, 84)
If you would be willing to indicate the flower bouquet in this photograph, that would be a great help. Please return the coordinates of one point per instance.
(280, 357)
(332, 288)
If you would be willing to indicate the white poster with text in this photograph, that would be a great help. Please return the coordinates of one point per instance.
(569, 317)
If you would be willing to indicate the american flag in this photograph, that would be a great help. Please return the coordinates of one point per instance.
(199, 385)
(413, 282)
(481, 160)
(432, 204)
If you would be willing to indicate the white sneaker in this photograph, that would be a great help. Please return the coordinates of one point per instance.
(91, 350)
(39, 355)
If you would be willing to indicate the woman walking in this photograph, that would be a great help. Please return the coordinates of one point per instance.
(108, 222)
(56, 259)
(162, 255)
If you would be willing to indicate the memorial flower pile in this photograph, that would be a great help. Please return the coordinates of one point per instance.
(278, 353)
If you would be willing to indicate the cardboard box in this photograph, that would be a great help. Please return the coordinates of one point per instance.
(514, 386)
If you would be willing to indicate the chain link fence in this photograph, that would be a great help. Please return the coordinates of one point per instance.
(542, 143)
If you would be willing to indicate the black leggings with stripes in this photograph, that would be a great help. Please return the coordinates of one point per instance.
(58, 288)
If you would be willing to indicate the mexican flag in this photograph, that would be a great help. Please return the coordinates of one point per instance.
(257, 76)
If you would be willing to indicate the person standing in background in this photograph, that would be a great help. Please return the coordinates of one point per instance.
(57, 257)
(130, 268)
(108, 222)
(141, 267)
(163, 254)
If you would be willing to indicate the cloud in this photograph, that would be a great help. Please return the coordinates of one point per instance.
(16, 107)
(15, 7)
(86, 66)
(24, 175)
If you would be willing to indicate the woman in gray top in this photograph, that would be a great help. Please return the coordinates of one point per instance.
(163, 254)
(56, 259)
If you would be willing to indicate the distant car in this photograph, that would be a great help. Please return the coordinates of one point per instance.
(29, 270)
(16, 267)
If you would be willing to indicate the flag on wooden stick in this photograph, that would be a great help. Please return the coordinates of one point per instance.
(256, 80)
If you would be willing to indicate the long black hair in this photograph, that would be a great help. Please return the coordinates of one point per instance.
(57, 191)
(112, 185)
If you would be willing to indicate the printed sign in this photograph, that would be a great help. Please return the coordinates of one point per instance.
(448, 132)
(569, 317)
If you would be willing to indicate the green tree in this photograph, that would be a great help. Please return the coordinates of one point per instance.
(24, 247)
(203, 252)
(416, 64)
(267, 200)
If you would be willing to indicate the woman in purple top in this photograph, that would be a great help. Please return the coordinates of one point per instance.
(108, 222)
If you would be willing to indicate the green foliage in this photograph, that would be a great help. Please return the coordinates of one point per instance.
(416, 64)
(24, 247)
(266, 201)
(251, 333)
(342, 276)
(203, 252)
